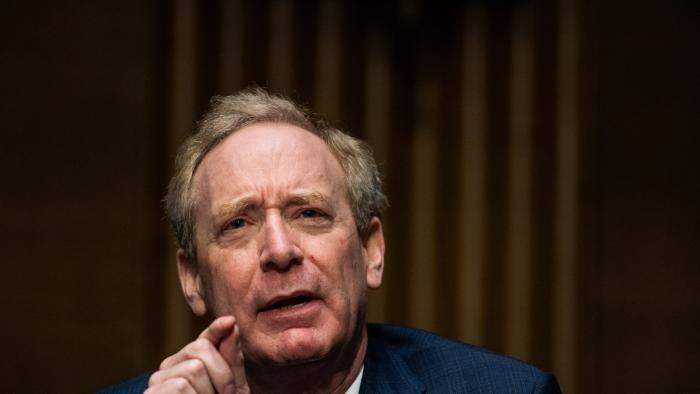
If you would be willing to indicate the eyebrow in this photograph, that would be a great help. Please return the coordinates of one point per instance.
(246, 203)
(307, 198)
(237, 207)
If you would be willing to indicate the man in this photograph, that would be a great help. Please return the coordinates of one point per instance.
(278, 220)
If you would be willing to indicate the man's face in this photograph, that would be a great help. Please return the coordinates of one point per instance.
(277, 245)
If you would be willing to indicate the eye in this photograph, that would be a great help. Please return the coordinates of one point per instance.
(236, 223)
(311, 213)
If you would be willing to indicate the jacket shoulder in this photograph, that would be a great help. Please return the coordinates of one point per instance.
(444, 365)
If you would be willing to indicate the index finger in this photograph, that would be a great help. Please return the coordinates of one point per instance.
(218, 330)
(225, 334)
(230, 350)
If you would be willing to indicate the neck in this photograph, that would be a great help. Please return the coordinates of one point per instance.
(334, 373)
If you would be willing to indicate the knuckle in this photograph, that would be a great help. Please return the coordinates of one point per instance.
(156, 378)
(200, 345)
(180, 384)
(165, 363)
(195, 367)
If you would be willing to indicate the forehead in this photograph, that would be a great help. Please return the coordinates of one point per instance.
(268, 155)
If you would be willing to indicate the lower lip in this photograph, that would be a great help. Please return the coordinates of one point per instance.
(297, 313)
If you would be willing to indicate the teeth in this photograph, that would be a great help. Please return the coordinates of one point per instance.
(294, 305)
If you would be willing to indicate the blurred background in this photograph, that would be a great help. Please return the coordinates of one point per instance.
(540, 157)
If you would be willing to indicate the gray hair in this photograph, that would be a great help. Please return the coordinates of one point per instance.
(227, 114)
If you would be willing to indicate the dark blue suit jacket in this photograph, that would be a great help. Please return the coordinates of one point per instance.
(404, 360)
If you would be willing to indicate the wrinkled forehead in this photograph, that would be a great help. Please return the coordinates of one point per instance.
(272, 153)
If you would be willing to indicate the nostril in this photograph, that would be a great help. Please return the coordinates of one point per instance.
(281, 265)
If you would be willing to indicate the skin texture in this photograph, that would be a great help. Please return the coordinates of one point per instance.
(274, 226)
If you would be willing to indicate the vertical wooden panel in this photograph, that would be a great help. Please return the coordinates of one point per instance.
(353, 41)
(446, 42)
(183, 115)
(566, 214)
(423, 190)
(281, 58)
(256, 41)
(402, 122)
(328, 82)
(162, 240)
(231, 46)
(497, 123)
(544, 190)
(519, 255)
(470, 302)
(184, 71)
(208, 36)
(377, 129)
(305, 46)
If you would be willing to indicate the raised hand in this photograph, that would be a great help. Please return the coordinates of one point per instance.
(213, 363)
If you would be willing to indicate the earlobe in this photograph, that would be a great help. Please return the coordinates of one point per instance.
(191, 284)
(374, 249)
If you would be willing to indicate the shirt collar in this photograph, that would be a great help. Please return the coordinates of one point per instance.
(355, 387)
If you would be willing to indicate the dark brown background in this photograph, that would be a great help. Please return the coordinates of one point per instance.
(540, 157)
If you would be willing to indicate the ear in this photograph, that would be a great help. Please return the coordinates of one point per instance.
(191, 282)
(373, 244)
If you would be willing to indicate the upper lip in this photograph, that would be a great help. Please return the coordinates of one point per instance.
(276, 301)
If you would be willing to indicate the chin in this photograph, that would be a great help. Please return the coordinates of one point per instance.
(299, 346)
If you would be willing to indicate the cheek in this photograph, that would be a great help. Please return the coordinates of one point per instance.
(229, 278)
(341, 262)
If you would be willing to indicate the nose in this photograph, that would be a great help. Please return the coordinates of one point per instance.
(279, 252)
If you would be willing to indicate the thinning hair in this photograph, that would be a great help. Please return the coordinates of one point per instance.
(228, 114)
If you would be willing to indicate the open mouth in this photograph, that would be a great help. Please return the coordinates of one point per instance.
(288, 303)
